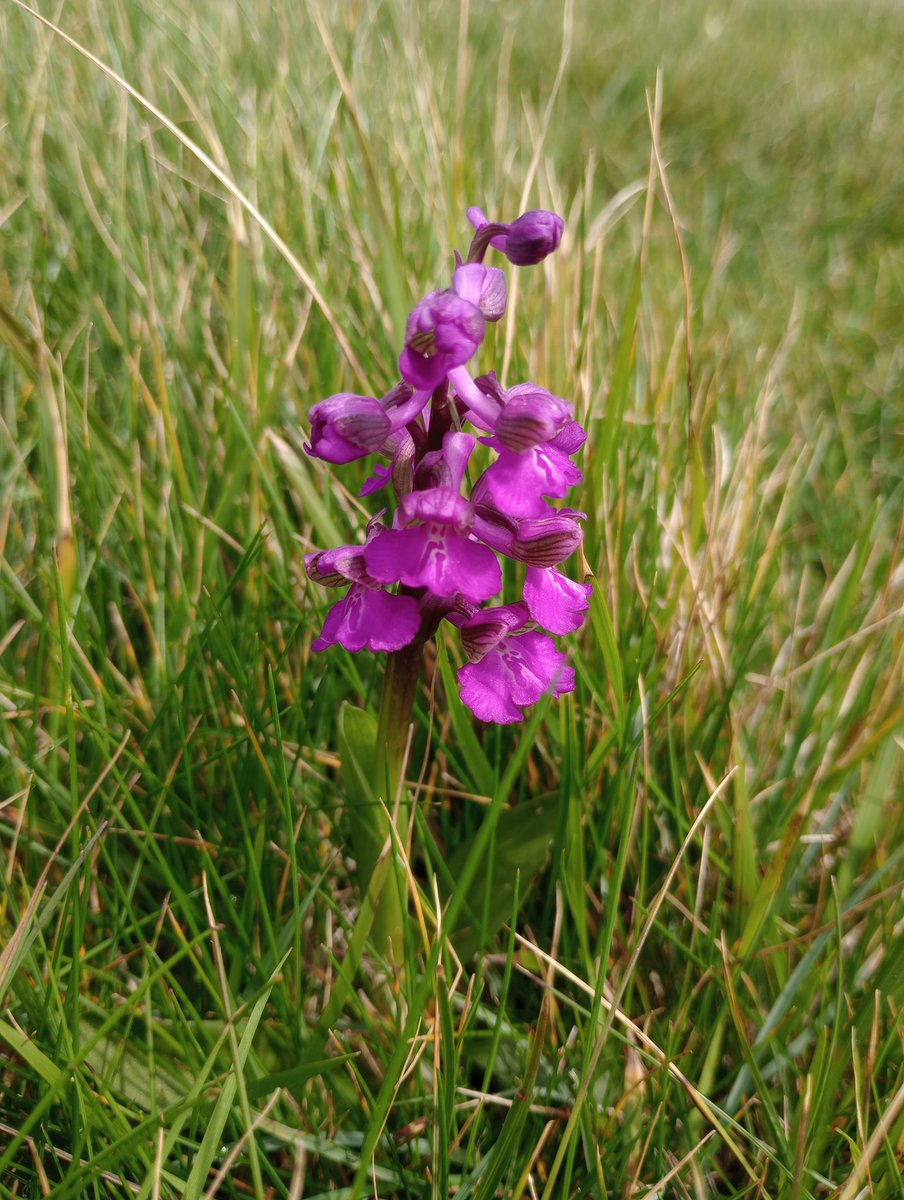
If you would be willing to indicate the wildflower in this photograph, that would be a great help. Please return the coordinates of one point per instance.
(554, 601)
(441, 548)
(367, 617)
(530, 415)
(526, 241)
(433, 547)
(484, 287)
(509, 670)
(346, 427)
(443, 332)
(516, 482)
(542, 541)
(533, 237)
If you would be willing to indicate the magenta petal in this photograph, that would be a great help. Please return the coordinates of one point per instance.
(513, 676)
(346, 427)
(556, 602)
(484, 629)
(459, 566)
(516, 482)
(435, 557)
(337, 567)
(376, 482)
(531, 415)
(478, 219)
(370, 619)
(457, 449)
(393, 555)
(484, 408)
(422, 371)
(402, 405)
(570, 439)
(483, 687)
(533, 236)
(440, 505)
(446, 468)
(545, 541)
(443, 332)
(484, 287)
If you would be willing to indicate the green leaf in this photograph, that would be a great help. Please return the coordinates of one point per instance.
(523, 841)
(357, 732)
(506, 1148)
(604, 630)
(294, 1077)
(31, 925)
(474, 761)
(22, 1045)
(210, 1143)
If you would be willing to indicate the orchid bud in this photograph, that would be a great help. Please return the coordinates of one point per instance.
(437, 553)
(346, 427)
(437, 505)
(532, 237)
(336, 568)
(484, 287)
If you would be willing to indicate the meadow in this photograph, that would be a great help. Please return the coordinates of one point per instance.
(654, 935)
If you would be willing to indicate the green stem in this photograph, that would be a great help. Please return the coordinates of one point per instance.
(400, 684)
(403, 671)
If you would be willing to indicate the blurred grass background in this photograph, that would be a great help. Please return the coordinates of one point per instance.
(172, 987)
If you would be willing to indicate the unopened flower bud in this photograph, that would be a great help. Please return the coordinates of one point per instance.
(336, 568)
(532, 237)
(346, 427)
(483, 286)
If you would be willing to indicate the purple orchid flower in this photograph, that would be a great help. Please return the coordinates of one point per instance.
(443, 332)
(530, 415)
(542, 541)
(367, 617)
(555, 602)
(434, 550)
(346, 426)
(516, 482)
(432, 547)
(509, 670)
(401, 471)
(370, 619)
(484, 287)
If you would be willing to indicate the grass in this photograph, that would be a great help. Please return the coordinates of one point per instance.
(676, 964)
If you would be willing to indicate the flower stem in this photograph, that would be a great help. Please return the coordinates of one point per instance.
(400, 684)
(403, 670)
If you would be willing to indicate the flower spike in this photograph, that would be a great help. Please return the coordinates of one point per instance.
(438, 554)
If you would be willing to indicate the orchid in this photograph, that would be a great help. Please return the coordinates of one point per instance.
(437, 556)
